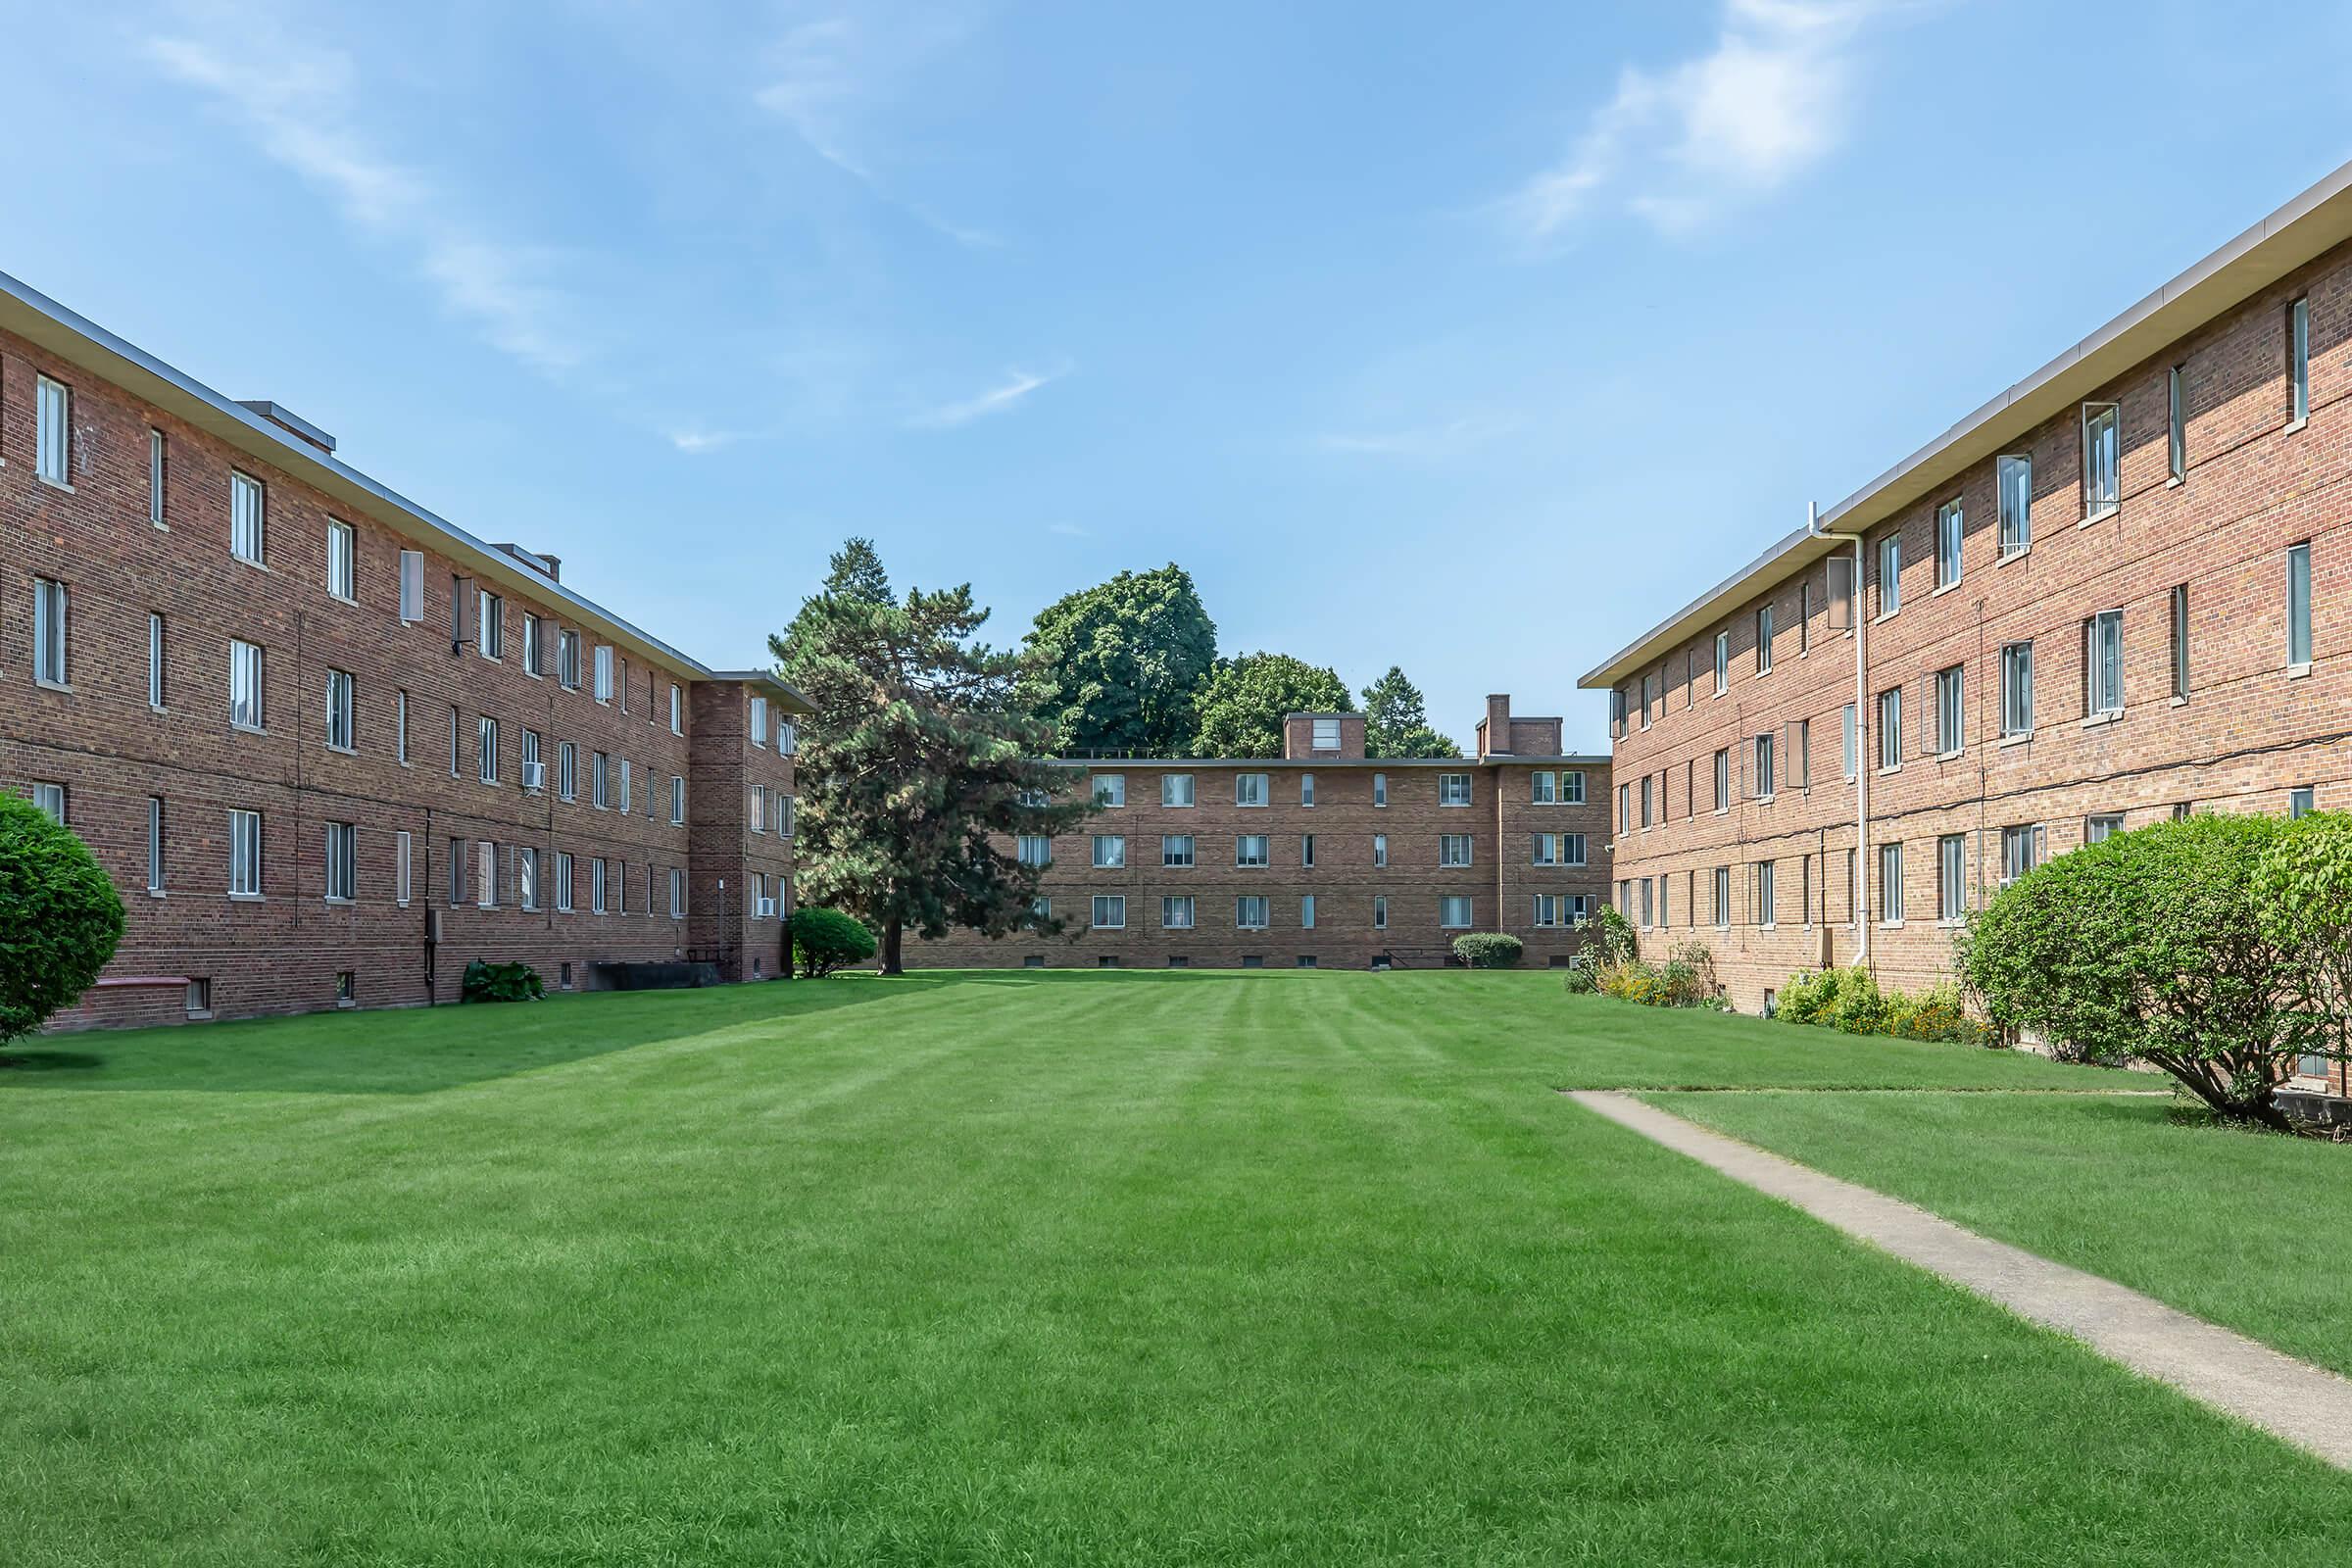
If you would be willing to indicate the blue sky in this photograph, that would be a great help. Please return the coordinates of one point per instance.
(1470, 338)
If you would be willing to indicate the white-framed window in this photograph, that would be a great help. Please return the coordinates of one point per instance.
(1649, 799)
(759, 808)
(1545, 849)
(2180, 619)
(1110, 790)
(563, 881)
(1543, 789)
(2103, 663)
(1307, 789)
(677, 801)
(1111, 851)
(1110, 912)
(677, 708)
(245, 854)
(567, 771)
(600, 776)
(568, 657)
(534, 649)
(1890, 574)
(49, 665)
(490, 624)
(2302, 800)
(400, 728)
(1951, 713)
(1453, 913)
(788, 738)
(1306, 912)
(1454, 849)
(759, 721)
(1723, 779)
(2175, 425)
(2100, 826)
(2017, 689)
(1176, 849)
(1951, 877)
(1379, 789)
(342, 720)
(1041, 912)
(1890, 727)
(245, 684)
(1250, 789)
(1723, 665)
(2014, 479)
(1950, 525)
(604, 675)
(1763, 647)
(1853, 738)
(155, 845)
(342, 562)
(783, 804)
(1766, 771)
(1326, 735)
(535, 768)
(248, 516)
(677, 893)
(158, 466)
(1722, 897)
(596, 885)
(1380, 849)
(1380, 912)
(1572, 787)
(1250, 850)
(2298, 606)
(1176, 913)
(626, 788)
(1306, 851)
(412, 586)
(2102, 458)
(1890, 884)
(1453, 789)
(455, 722)
(50, 800)
(2298, 360)
(53, 431)
(1768, 906)
(1252, 911)
(485, 749)
(1547, 911)
(1176, 788)
(2021, 851)
(1035, 850)
(342, 861)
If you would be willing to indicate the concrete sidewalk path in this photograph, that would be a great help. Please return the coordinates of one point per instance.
(2306, 1405)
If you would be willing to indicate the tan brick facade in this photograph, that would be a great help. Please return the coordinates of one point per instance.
(2228, 723)
(112, 751)
(1418, 814)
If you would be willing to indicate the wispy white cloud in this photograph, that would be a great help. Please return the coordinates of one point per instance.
(1445, 439)
(1069, 530)
(695, 443)
(291, 99)
(1002, 397)
(1678, 146)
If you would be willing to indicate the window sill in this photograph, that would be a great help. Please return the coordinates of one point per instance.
(2022, 738)
(1952, 756)
(55, 485)
(343, 750)
(247, 729)
(2293, 426)
(1764, 800)
(2176, 481)
(1890, 769)
(1938, 593)
(2178, 701)
(1952, 922)
(1886, 615)
(344, 599)
(2100, 719)
(2297, 671)
(247, 897)
(1891, 925)
(1723, 811)
(52, 685)
(2100, 516)
(158, 893)
(344, 902)
(2007, 556)
(248, 561)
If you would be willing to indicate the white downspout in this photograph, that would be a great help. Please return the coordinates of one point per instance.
(1861, 738)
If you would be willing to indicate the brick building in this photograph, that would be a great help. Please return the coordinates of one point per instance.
(329, 746)
(2113, 594)
(1325, 856)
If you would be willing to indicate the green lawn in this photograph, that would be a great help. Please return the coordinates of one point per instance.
(1069, 1268)
(2241, 1228)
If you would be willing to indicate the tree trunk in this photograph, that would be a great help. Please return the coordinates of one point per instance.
(892, 933)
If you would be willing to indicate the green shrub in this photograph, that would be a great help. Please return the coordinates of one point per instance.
(1686, 979)
(2155, 944)
(60, 917)
(2303, 897)
(1850, 1000)
(1487, 950)
(827, 940)
(1608, 941)
(502, 982)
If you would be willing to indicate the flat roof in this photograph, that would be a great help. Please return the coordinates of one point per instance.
(70, 336)
(2305, 229)
(786, 692)
(1317, 765)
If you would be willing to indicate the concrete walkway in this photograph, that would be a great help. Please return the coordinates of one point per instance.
(2304, 1405)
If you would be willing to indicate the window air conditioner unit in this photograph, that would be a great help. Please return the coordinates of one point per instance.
(768, 908)
(534, 776)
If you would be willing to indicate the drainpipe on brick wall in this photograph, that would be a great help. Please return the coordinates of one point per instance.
(1861, 888)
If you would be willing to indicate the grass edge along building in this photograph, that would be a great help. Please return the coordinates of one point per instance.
(331, 747)
(1321, 858)
(2113, 594)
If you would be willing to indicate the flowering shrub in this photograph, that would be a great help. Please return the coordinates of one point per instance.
(1686, 979)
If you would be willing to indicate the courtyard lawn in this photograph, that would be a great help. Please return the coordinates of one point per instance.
(1053, 1268)
(2239, 1228)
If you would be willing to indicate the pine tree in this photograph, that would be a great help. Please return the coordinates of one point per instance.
(1395, 724)
(920, 764)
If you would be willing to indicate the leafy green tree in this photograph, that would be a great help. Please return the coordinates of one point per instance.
(1114, 668)
(920, 763)
(827, 940)
(1243, 702)
(2303, 883)
(60, 917)
(1395, 724)
(2152, 944)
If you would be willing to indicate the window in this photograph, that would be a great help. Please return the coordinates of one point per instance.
(535, 652)
(1306, 851)
(783, 804)
(50, 798)
(759, 721)
(2016, 484)
(1767, 903)
(1176, 913)
(1546, 851)
(1547, 910)
(534, 768)
(1890, 727)
(677, 710)
(677, 893)
(599, 769)
(1800, 754)
(1852, 736)
(412, 586)
(2299, 607)
(1543, 789)
(341, 722)
(1307, 789)
(342, 855)
(1723, 779)
(155, 845)
(2103, 663)
(788, 738)
(1249, 849)
(1453, 789)
(1617, 712)
(1306, 912)
(1948, 528)
(1176, 849)
(1111, 851)
(485, 750)
(1764, 640)
(604, 675)
(247, 506)
(490, 624)
(1649, 797)
(48, 631)
(1110, 789)
(1890, 574)
(1253, 912)
(1379, 789)
(628, 787)
(1722, 897)
(1890, 884)
(2101, 826)
(1326, 736)
(1951, 722)
(1380, 849)
(1572, 788)
(677, 801)
(159, 462)
(454, 721)
(1036, 850)
(2102, 460)
(1804, 617)
(1625, 809)
(563, 883)
(244, 685)
(244, 855)
(2302, 800)
(759, 808)
(1951, 877)
(51, 433)
(1766, 773)
(1454, 913)
(2175, 426)
(2017, 689)
(2299, 360)
(1722, 663)
(1454, 848)
(2021, 852)
(567, 771)
(342, 562)
(400, 728)
(1380, 912)
(1248, 789)
(1176, 788)
(596, 885)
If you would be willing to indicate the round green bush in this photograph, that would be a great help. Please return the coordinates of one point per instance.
(827, 940)
(60, 917)
(1487, 950)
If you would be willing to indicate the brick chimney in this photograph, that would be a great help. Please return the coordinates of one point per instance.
(1494, 730)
